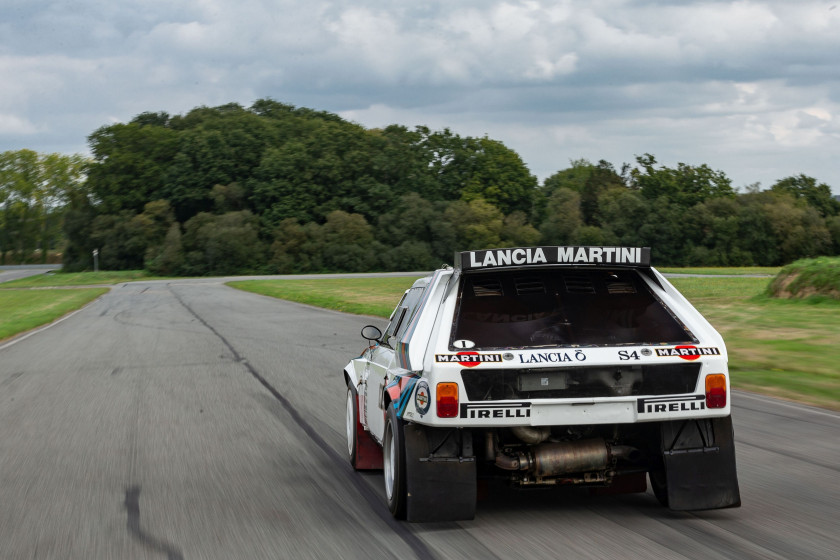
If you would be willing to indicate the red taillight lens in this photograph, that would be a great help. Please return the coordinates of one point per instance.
(716, 391)
(447, 400)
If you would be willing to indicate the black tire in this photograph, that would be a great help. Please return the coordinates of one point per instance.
(659, 485)
(352, 421)
(393, 450)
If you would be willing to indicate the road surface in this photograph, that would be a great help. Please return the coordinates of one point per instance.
(187, 419)
(16, 272)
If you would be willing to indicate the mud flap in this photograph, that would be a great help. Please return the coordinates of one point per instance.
(368, 452)
(440, 474)
(699, 460)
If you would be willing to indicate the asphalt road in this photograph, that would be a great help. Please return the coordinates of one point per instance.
(9, 273)
(190, 420)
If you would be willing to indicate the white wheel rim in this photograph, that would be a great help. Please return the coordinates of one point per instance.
(351, 424)
(388, 462)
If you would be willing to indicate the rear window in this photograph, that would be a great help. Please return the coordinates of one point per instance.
(563, 307)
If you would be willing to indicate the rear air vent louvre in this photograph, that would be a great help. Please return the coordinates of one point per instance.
(528, 286)
(618, 287)
(579, 284)
(487, 287)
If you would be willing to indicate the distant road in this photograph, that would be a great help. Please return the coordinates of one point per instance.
(15, 272)
(185, 419)
(682, 275)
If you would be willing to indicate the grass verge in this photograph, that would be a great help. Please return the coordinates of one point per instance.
(808, 279)
(785, 348)
(363, 296)
(26, 309)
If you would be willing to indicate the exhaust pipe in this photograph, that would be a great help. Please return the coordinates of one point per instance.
(555, 459)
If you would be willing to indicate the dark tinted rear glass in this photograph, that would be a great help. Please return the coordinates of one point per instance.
(563, 307)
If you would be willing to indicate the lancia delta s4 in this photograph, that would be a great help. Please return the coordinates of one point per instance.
(543, 366)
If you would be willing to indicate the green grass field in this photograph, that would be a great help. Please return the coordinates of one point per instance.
(364, 296)
(26, 309)
(782, 348)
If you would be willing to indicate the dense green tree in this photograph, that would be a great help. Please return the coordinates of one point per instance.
(833, 226)
(756, 237)
(222, 244)
(602, 177)
(498, 176)
(34, 190)
(572, 178)
(348, 243)
(120, 241)
(130, 162)
(403, 160)
(290, 250)
(477, 224)
(803, 187)
(169, 259)
(622, 212)
(79, 215)
(516, 230)
(413, 218)
(288, 189)
(685, 186)
(588, 180)
(563, 217)
(800, 231)
(711, 233)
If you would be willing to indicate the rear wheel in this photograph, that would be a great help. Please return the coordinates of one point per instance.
(659, 485)
(394, 464)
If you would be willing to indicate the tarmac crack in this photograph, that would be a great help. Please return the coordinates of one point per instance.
(132, 506)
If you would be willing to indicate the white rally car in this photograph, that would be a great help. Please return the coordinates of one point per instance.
(544, 366)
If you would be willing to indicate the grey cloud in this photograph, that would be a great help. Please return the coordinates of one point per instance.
(561, 80)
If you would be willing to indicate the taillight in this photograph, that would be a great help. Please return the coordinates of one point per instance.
(716, 390)
(447, 400)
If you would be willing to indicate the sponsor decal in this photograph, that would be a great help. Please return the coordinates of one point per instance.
(654, 405)
(400, 390)
(552, 357)
(523, 256)
(491, 410)
(422, 400)
(687, 352)
(468, 359)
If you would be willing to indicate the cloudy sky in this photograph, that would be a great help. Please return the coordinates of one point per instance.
(751, 88)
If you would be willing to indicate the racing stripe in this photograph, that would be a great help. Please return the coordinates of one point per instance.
(405, 396)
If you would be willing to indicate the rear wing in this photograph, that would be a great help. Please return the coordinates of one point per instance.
(522, 257)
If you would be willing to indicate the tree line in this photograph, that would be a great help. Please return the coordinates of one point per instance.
(275, 188)
(34, 191)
